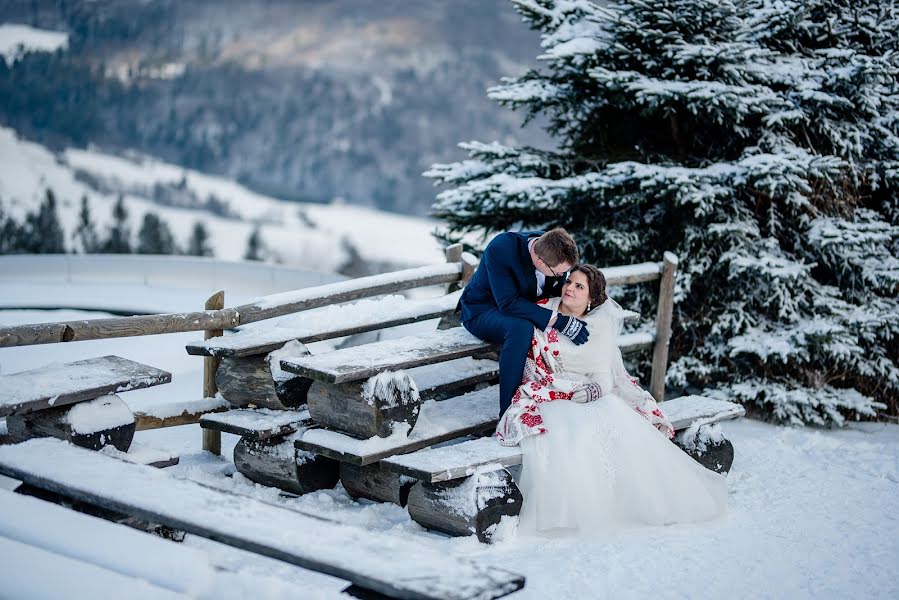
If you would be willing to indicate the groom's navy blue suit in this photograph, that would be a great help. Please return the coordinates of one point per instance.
(498, 305)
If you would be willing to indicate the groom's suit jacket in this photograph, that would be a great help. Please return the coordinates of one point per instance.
(505, 280)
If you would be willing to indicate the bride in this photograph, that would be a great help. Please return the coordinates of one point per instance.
(595, 446)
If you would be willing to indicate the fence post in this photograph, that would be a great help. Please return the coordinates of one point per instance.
(212, 439)
(663, 327)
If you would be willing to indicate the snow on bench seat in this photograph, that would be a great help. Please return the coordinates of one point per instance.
(143, 455)
(437, 422)
(71, 578)
(172, 414)
(433, 465)
(90, 544)
(62, 384)
(361, 362)
(326, 323)
(385, 564)
(257, 423)
(438, 377)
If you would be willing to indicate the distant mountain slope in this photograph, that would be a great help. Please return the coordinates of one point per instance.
(317, 237)
(306, 100)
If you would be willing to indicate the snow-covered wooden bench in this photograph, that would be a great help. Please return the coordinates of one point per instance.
(76, 401)
(439, 471)
(396, 568)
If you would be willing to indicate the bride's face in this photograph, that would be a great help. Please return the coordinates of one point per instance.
(575, 293)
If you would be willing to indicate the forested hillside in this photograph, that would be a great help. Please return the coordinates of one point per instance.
(304, 100)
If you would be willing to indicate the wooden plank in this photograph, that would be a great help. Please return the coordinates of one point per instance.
(361, 362)
(396, 567)
(663, 328)
(434, 465)
(451, 462)
(173, 414)
(257, 424)
(318, 325)
(344, 291)
(59, 385)
(471, 413)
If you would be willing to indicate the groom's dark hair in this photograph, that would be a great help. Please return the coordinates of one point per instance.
(555, 247)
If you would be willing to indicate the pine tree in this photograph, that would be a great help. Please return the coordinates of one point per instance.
(42, 233)
(198, 244)
(255, 246)
(759, 141)
(85, 235)
(119, 239)
(155, 236)
(10, 234)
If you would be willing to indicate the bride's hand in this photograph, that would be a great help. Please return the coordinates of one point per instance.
(589, 392)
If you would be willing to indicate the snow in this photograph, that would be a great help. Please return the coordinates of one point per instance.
(434, 419)
(313, 236)
(358, 284)
(391, 388)
(338, 317)
(99, 414)
(17, 40)
(810, 510)
(166, 410)
(407, 564)
(258, 419)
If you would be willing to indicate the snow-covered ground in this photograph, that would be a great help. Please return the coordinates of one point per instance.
(312, 236)
(813, 513)
(16, 40)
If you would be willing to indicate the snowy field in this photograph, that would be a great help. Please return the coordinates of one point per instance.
(813, 513)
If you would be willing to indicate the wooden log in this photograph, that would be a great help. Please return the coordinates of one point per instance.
(707, 445)
(275, 462)
(27, 335)
(663, 327)
(344, 291)
(212, 440)
(366, 409)
(96, 329)
(630, 274)
(374, 483)
(75, 424)
(248, 380)
(473, 505)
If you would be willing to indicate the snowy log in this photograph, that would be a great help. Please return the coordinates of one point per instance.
(276, 463)
(367, 409)
(248, 380)
(706, 444)
(92, 424)
(374, 483)
(473, 505)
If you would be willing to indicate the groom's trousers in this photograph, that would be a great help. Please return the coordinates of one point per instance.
(515, 336)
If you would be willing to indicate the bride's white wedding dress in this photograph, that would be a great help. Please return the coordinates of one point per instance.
(602, 465)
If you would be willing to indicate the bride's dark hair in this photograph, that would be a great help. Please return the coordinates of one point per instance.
(596, 283)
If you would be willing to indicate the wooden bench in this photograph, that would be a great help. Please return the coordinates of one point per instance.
(372, 404)
(392, 567)
(76, 401)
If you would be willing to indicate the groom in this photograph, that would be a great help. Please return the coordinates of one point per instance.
(498, 304)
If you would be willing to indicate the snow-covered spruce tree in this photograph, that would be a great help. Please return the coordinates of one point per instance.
(756, 139)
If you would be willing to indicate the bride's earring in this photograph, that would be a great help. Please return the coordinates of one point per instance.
(588, 306)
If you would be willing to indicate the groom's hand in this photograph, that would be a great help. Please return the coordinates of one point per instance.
(572, 328)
